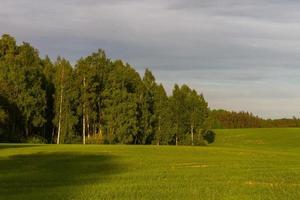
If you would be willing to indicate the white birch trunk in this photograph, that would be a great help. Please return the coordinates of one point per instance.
(83, 113)
(192, 134)
(60, 104)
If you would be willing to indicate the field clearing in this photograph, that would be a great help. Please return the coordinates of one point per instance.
(242, 164)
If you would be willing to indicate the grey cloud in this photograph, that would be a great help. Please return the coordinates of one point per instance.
(240, 54)
(270, 10)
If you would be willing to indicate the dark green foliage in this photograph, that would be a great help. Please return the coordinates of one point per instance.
(22, 93)
(49, 87)
(65, 101)
(102, 101)
(3, 116)
(188, 112)
(208, 135)
(121, 103)
(162, 116)
(35, 139)
(92, 74)
(146, 108)
(219, 119)
(96, 101)
(178, 114)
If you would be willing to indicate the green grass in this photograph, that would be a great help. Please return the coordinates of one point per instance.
(242, 164)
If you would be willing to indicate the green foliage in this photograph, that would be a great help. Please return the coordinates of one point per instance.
(198, 140)
(73, 139)
(102, 97)
(178, 114)
(188, 110)
(208, 135)
(92, 73)
(218, 119)
(95, 139)
(35, 139)
(121, 103)
(48, 85)
(3, 115)
(97, 98)
(21, 86)
(65, 100)
(162, 116)
(146, 118)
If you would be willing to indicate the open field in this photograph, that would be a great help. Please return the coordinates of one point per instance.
(242, 164)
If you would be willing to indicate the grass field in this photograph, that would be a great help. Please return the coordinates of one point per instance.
(241, 164)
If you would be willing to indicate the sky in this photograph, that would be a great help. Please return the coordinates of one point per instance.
(242, 55)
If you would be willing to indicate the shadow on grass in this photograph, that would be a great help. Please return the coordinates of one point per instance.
(55, 175)
(8, 146)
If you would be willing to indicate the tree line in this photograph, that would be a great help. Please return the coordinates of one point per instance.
(219, 119)
(97, 100)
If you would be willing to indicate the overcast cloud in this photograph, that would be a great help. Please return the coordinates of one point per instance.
(243, 55)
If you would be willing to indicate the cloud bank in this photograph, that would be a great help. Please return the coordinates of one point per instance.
(243, 55)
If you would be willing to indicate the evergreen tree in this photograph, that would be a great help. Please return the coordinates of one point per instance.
(48, 85)
(146, 108)
(121, 104)
(162, 125)
(178, 114)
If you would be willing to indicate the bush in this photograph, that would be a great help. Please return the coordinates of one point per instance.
(208, 135)
(3, 115)
(95, 139)
(74, 139)
(187, 140)
(35, 139)
(199, 140)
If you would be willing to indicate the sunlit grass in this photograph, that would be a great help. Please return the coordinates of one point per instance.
(242, 164)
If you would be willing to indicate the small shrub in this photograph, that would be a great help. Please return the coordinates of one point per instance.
(187, 140)
(75, 139)
(199, 140)
(35, 139)
(95, 139)
(3, 116)
(208, 135)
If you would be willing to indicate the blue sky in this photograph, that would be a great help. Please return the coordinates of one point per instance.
(242, 55)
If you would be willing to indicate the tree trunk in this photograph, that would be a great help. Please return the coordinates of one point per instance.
(159, 131)
(177, 130)
(83, 129)
(26, 130)
(94, 129)
(59, 119)
(14, 130)
(192, 134)
(88, 126)
(52, 134)
(83, 113)
(99, 125)
(60, 105)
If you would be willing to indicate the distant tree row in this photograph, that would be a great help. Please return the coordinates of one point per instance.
(219, 119)
(96, 101)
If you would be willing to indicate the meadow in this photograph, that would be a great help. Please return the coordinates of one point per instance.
(241, 164)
